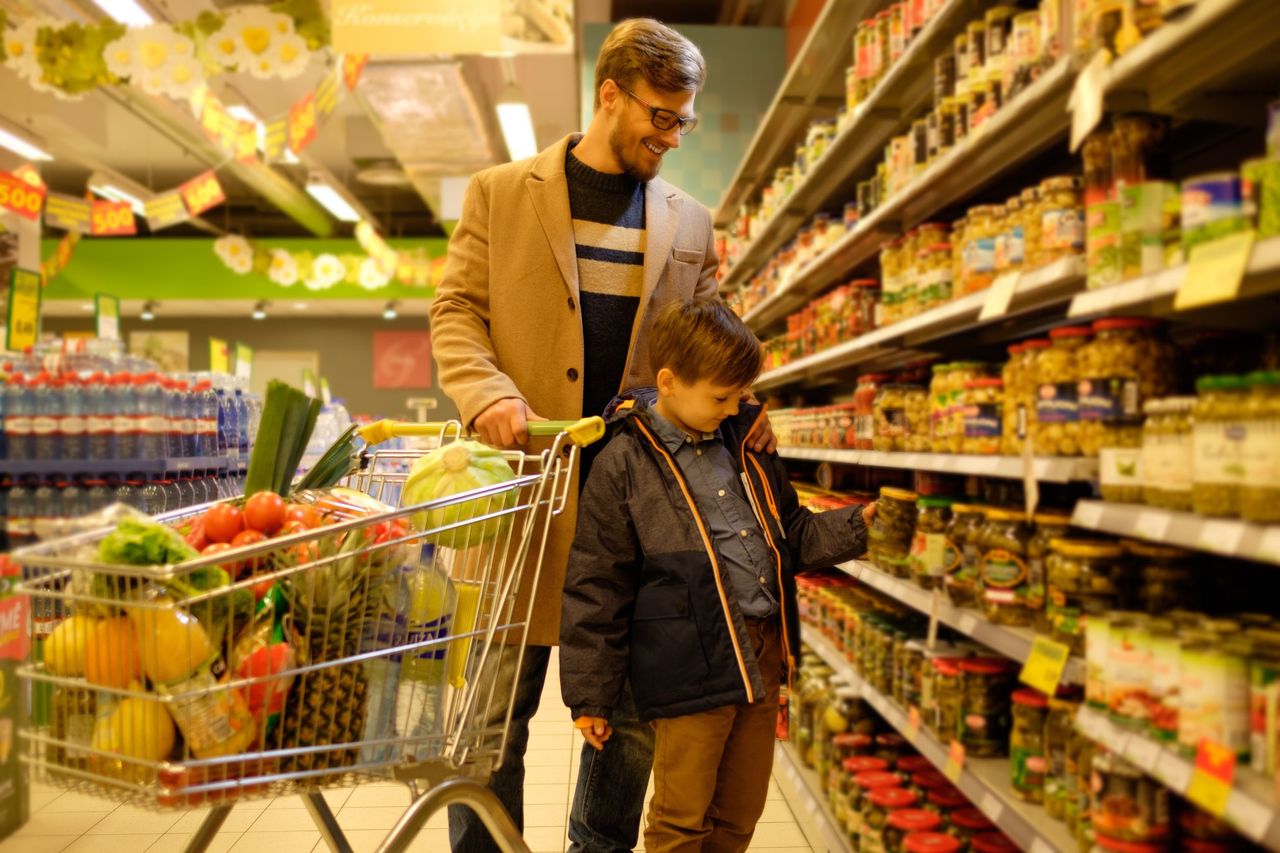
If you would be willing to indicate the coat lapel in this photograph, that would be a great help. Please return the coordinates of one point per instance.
(549, 192)
(661, 219)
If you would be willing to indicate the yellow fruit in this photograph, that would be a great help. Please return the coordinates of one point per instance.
(66, 651)
(174, 645)
(138, 728)
(112, 659)
(834, 721)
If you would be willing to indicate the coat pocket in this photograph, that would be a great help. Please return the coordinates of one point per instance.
(667, 661)
(687, 256)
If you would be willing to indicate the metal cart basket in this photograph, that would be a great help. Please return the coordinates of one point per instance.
(362, 649)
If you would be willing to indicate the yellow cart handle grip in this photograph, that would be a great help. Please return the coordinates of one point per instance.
(581, 433)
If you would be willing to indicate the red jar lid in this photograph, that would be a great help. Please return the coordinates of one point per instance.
(865, 282)
(929, 780)
(1119, 846)
(1030, 698)
(851, 740)
(873, 377)
(892, 741)
(984, 666)
(893, 798)
(992, 842)
(946, 666)
(913, 764)
(860, 764)
(1108, 324)
(915, 820)
(1014, 349)
(931, 842)
(948, 798)
(986, 382)
(1071, 332)
(877, 779)
(1037, 343)
(972, 820)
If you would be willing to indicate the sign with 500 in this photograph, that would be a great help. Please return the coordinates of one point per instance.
(202, 193)
(22, 198)
(112, 218)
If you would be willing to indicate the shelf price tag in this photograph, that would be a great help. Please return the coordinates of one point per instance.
(913, 723)
(24, 309)
(955, 761)
(1215, 271)
(999, 296)
(202, 192)
(1044, 666)
(1087, 96)
(23, 198)
(112, 219)
(1212, 777)
(219, 356)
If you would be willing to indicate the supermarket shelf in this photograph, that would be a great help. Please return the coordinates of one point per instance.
(1154, 294)
(901, 95)
(1013, 643)
(800, 787)
(1029, 123)
(814, 80)
(1046, 468)
(985, 781)
(1251, 807)
(1053, 284)
(102, 467)
(1225, 536)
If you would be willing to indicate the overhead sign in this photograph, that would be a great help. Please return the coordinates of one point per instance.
(244, 361)
(24, 309)
(112, 219)
(386, 27)
(23, 198)
(219, 356)
(165, 210)
(202, 192)
(68, 213)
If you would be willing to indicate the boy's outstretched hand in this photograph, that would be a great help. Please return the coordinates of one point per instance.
(595, 729)
(869, 513)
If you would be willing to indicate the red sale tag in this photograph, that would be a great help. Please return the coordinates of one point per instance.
(302, 123)
(22, 198)
(955, 761)
(201, 193)
(112, 219)
(913, 723)
(1212, 777)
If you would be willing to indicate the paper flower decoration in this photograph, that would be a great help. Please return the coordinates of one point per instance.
(327, 271)
(231, 249)
(372, 276)
(241, 264)
(261, 42)
(21, 52)
(158, 59)
(283, 269)
(291, 56)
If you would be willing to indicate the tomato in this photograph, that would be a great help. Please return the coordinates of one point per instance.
(304, 553)
(264, 512)
(261, 588)
(293, 526)
(222, 522)
(245, 538)
(308, 515)
(196, 536)
(218, 548)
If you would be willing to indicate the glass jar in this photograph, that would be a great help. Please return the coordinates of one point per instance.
(1127, 363)
(983, 416)
(1026, 396)
(905, 822)
(864, 784)
(910, 765)
(1059, 728)
(1061, 219)
(889, 539)
(72, 713)
(864, 296)
(890, 411)
(1120, 461)
(1086, 578)
(979, 248)
(1027, 744)
(966, 823)
(1260, 490)
(1165, 680)
(1168, 579)
(933, 554)
(992, 842)
(935, 282)
(925, 781)
(1049, 526)
(1003, 567)
(864, 397)
(985, 713)
(949, 699)
(1217, 440)
(1011, 374)
(1031, 228)
(959, 377)
(946, 801)
(1213, 699)
(915, 400)
(940, 390)
(1011, 250)
(1057, 428)
(1168, 455)
(877, 806)
(931, 842)
(965, 530)
(1128, 669)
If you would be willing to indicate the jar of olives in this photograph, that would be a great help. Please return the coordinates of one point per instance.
(1218, 441)
(940, 388)
(979, 248)
(1061, 219)
(934, 264)
(915, 400)
(965, 530)
(983, 416)
(1027, 744)
(1011, 374)
(1003, 567)
(1120, 461)
(905, 822)
(1260, 490)
(1126, 363)
(877, 807)
(1057, 427)
(931, 842)
(1009, 245)
(864, 397)
(864, 784)
(933, 554)
(889, 540)
(891, 427)
(1086, 578)
(1167, 453)
(1049, 526)
(966, 823)
(1059, 727)
(948, 699)
(984, 715)
(961, 374)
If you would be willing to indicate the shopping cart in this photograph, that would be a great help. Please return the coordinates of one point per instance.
(365, 649)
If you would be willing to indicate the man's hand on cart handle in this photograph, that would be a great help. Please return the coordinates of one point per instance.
(595, 729)
(505, 423)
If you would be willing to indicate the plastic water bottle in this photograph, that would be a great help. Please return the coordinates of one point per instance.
(129, 493)
(190, 417)
(75, 426)
(206, 408)
(228, 423)
(19, 409)
(174, 415)
(46, 438)
(97, 495)
(420, 698)
(154, 497)
(100, 401)
(72, 502)
(127, 417)
(242, 420)
(151, 410)
(47, 510)
(19, 524)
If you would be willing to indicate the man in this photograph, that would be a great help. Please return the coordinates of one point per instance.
(557, 269)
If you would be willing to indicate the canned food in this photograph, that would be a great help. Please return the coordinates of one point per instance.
(1212, 207)
(1126, 804)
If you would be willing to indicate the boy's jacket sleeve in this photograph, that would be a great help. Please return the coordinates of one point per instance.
(821, 539)
(599, 593)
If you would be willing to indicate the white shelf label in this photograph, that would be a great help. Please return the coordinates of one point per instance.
(967, 623)
(1175, 772)
(1143, 752)
(1087, 98)
(992, 807)
(1269, 546)
(1039, 845)
(1222, 537)
(1088, 514)
(1152, 525)
(1094, 727)
(1249, 816)
(999, 296)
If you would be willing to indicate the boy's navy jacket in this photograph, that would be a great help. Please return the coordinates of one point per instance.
(644, 595)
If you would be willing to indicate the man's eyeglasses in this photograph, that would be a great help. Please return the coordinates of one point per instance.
(665, 119)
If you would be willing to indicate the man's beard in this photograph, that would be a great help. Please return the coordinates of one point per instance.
(635, 170)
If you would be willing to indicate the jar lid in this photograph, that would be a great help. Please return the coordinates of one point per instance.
(969, 509)
(931, 842)
(1037, 343)
(852, 740)
(1263, 378)
(865, 282)
(898, 494)
(1014, 349)
(893, 798)
(929, 780)
(1155, 407)
(935, 503)
(1070, 332)
(948, 798)
(987, 382)
(859, 764)
(915, 820)
(1063, 182)
(992, 842)
(1053, 519)
(1180, 404)
(872, 779)
(986, 210)
(1152, 551)
(913, 764)
(972, 820)
(1005, 514)
(1030, 698)
(985, 666)
(935, 248)
(1120, 846)
(874, 377)
(1086, 548)
(1108, 324)
(891, 740)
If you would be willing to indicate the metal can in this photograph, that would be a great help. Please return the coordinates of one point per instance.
(1260, 189)
(1264, 701)
(1212, 207)
(1128, 669)
(1214, 694)
(1126, 804)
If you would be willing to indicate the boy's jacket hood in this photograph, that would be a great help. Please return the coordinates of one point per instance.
(640, 402)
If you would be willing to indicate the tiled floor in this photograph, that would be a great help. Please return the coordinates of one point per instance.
(73, 823)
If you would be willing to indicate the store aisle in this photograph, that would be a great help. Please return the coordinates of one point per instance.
(72, 823)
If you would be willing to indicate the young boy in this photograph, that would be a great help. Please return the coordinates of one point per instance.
(682, 580)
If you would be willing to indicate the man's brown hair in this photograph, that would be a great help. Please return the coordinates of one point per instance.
(642, 48)
(702, 339)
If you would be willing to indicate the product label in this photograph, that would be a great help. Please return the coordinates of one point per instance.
(895, 423)
(1214, 704)
(79, 735)
(17, 425)
(1128, 672)
(126, 423)
(188, 426)
(207, 426)
(97, 425)
(206, 719)
(1164, 685)
(933, 554)
(1028, 768)
(1005, 571)
(74, 425)
(1260, 453)
(1167, 461)
(1035, 583)
(1057, 403)
(1109, 398)
(152, 425)
(1022, 421)
(1120, 466)
(44, 425)
(1218, 449)
(984, 420)
(980, 255)
(1103, 245)
(1062, 228)
(1208, 201)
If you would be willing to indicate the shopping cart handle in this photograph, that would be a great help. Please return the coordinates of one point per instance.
(581, 432)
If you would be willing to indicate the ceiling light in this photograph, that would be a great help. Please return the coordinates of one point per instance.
(114, 193)
(127, 12)
(20, 143)
(332, 200)
(517, 129)
(148, 311)
(259, 310)
(289, 157)
(390, 312)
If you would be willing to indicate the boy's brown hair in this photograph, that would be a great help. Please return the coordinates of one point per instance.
(642, 48)
(702, 339)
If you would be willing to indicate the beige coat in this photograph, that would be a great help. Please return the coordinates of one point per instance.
(505, 321)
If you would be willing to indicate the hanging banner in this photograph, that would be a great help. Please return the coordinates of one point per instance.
(165, 210)
(327, 93)
(274, 141)
(375, 247)
(112, 219)
(352, 67)
(219, 356)
(21, 197)
(246, 141)
(202, 192)
(68, 213)
(61, 256)
(244, 361)
(416, 26)
(325, 396)
(107, 316)
(212, 115)
(302, 123)
(24, 309)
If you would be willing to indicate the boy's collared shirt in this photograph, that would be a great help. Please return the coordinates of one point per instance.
(709, 468)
